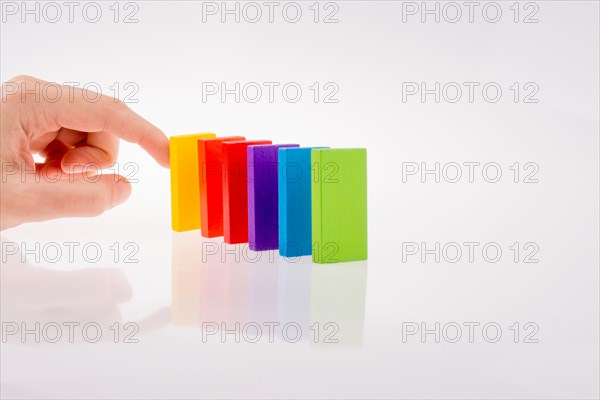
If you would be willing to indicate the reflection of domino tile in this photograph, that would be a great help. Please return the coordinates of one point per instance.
(214, 307)
(294, 202)
(238, 296)
(293, 293)
(337, 303)
(235, 190)
(211, 184)
(339, 205)
(262, 287)
(187, 282)
(185, 188)
(263, 219)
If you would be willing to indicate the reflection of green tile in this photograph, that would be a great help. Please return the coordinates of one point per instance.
(337, 304)
(339, 205)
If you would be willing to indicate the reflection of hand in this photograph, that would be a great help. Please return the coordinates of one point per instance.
(38, 295)
(70, 132)
(30, 295)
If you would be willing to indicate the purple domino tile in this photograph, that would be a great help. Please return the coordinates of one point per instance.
(263, 218)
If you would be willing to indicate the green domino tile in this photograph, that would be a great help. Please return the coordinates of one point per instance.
(339, 205)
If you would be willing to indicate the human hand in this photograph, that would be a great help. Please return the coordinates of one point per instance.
(70, 133)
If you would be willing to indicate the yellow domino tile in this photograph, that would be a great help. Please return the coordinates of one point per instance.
(185, 183)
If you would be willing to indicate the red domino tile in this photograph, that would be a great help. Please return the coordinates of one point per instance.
(235, 190)
(210, 165)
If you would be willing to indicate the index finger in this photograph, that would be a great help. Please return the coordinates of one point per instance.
(86, 111)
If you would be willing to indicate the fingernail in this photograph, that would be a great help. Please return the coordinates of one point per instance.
(122, 191)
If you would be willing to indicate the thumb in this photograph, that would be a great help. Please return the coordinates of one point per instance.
(86, 197)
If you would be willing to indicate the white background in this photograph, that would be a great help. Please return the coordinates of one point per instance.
(369, 53)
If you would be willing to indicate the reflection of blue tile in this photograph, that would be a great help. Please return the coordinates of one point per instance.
(295, 220)
(294, 294)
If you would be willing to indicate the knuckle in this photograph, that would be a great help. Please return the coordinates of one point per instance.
(23, 78)
(110, 102)
(118, 104)
(111, 106)
(21, 89)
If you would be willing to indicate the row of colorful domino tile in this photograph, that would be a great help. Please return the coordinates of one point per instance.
(298, 200)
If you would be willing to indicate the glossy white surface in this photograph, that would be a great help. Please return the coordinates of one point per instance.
(178, 289)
